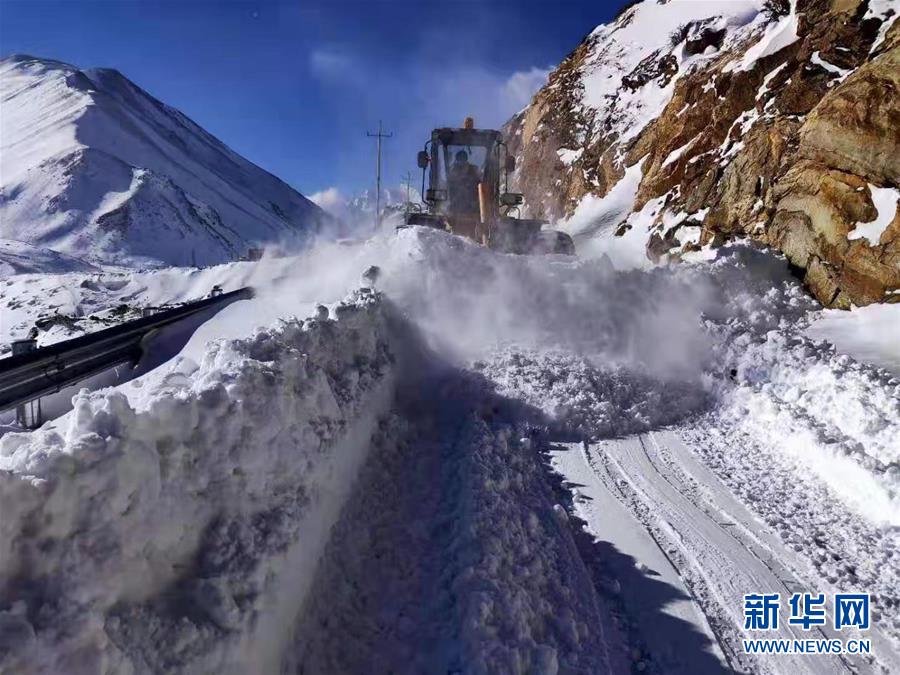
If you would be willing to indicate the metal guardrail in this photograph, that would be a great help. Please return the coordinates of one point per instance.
(27, 376)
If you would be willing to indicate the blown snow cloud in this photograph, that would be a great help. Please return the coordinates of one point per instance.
(330, 199)
(522, 85)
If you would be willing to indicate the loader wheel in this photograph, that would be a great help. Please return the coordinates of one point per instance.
(552, 241)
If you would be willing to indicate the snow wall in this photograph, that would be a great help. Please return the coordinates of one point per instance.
(186, 529)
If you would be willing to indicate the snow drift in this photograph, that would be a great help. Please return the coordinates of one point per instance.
(94, 167)
(145, 537)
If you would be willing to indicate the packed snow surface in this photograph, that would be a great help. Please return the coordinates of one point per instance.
(868, 334)
(411, 479)
(93, 167)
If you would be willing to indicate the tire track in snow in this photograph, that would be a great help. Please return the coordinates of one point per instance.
(796, 515)
(726, 563)
(663, 617)
(680, 459)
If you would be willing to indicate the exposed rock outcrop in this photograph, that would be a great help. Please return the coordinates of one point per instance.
(778, 123)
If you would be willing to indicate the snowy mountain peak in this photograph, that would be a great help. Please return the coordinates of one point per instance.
(95, 167)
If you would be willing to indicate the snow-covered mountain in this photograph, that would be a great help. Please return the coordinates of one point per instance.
(685, 123)
(94, 167)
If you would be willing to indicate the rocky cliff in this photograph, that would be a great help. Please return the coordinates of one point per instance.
(682, 125)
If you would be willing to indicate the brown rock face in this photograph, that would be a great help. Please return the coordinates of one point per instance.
(856, 127)
(786, 151)
(850, 139)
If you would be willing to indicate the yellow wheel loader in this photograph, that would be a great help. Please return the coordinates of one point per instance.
(466, 168)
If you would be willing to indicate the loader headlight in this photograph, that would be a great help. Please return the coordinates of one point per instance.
(433, 195)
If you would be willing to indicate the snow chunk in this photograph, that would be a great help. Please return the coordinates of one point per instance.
(567, 157)
(885, 201)
(777, 36)
(841, 73)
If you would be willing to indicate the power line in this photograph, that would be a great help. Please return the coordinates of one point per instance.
(378, 136)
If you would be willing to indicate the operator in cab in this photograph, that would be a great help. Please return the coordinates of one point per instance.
(463, 182)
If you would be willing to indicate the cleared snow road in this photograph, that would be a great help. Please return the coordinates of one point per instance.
(685, 528)
(668, 622)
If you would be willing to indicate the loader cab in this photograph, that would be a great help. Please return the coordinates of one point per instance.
(465, 188)
(456, 162)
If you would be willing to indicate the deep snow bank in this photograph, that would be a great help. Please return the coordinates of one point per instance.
(452, 556)
(182, 533)
(866, 333)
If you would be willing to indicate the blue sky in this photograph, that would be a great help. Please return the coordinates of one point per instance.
(294, 86)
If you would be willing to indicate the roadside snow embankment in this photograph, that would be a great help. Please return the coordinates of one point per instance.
(838, 417)
(868, 334)
(181, 532)
(453, 556)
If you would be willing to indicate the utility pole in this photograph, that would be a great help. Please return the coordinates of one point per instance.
(378, 138)
(407, 180)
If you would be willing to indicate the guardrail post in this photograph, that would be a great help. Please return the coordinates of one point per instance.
(27, 414)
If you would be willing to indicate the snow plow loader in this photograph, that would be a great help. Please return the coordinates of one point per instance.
(466, 169)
